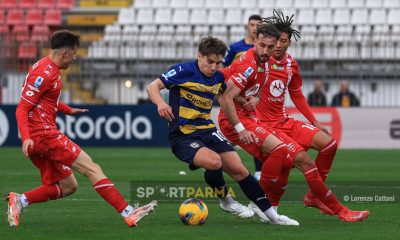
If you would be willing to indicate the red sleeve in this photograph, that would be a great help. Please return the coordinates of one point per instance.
(22, 112)
(297, 95)
(241, 74)
(64, 108)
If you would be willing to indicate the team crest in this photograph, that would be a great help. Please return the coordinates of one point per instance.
(260, 130)
(291, 147)
(195, 145)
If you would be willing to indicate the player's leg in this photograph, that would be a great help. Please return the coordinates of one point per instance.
(326, 147)
(106, 189)
(257, 168)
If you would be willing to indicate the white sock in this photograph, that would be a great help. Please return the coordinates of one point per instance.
(276, 208)
(23, 200)
(227, 201)
(271, 213)
(127, 211)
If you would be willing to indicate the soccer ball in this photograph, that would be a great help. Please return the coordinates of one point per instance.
(193, 211)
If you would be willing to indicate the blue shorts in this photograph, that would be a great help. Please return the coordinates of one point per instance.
(186, 147)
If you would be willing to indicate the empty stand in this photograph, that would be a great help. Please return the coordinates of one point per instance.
(34, 16)
(53, 17)
(126, 16)
(15, 17)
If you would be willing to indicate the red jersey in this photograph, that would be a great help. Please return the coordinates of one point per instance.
(282, 76)
(248, 74)
(37, 109)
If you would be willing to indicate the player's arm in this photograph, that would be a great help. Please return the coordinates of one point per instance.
(227, 104)
(300, 100)
(64, 108)
(153, 89)
(21, 114)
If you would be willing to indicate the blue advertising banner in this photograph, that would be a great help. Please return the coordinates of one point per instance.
(112, 125)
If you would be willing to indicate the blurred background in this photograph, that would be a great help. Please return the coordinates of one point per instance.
(351, 44)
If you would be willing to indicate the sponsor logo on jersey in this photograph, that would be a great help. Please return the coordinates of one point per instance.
(48, 70)
(4, 127)
(38, 81)
(260, 69)
(276, 88)
(248, 72)
(195, 145)
(291, 147)
(276, 67)
(169, 74)
(260, 130)
(33, 88)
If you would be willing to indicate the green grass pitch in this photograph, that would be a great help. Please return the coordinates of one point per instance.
(85, 215)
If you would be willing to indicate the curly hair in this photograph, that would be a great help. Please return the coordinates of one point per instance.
(283, 23)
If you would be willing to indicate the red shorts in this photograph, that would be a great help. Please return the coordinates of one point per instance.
(251, 124)
(299, 131)
(53, 155)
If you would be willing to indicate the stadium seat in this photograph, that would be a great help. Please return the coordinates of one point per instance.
(266, 4)
(112, 33)
(233, 16)
(53, 17)
(220, 32)
(391, 3)
(126, 16)
(27, 50)
(362, 32)
(320, 4)
(377, 16)
(28, 4)
(302, 3)
(288, 12)
(65, 4)
(248, 12)
(215, 16)
(165, 33)
(199, 32)
(8, 3)
(356, 4)
(97, 49)
(144, 16)
(344, 33)
(183, 33)
(248, 4)
(373, 3)
(40, 33)
(198, 16)
(163, 16)
(324, 16)
(326, 33)
(214, 4)
(142, 3)
(338, 4)
(359, 16)
(130, 33)
(21, 33)
(167, 47)
(306, 16)
(15, 17)
(393, 16)
(230, 4)
(236, 33)
(195, 4)
(266, 12)
(147, 33)
(341, 16)
(284, 4)
(113, 51)
(180, 16)
(308, 32)
(34, 16)
(160, 4)
(178, 3)
(129, 50)
(4, 29)
(50, 4)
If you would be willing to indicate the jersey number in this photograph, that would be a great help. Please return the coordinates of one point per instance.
(219, 135)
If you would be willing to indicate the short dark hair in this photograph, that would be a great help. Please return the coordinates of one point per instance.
(211, 45)
(64, 38)
(283, 23)
(255, 17)
(267, 29)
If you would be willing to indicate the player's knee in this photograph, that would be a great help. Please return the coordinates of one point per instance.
(214, 163)
(303, 162)
(69, 189)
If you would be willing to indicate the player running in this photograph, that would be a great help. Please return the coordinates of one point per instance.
(192, 134)
(52, 152)
(299, 136)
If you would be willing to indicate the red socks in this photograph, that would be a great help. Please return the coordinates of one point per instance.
(111, 194)
(319, 189)
(43, 193)
(275, 172)
(325, 157)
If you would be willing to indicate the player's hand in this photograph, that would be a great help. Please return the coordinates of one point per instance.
(165, 111)
(27, 146)
(75, 111)
(247, 137)
(320, 127)
(251, 103)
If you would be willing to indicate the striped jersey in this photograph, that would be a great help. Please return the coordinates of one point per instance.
(235, 51)
(191, 96)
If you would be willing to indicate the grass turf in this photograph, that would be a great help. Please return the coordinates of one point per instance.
(85, 215)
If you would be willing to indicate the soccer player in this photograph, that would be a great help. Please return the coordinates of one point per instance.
(284, 76)
(235, 51)
(52, 152)
(193, 136)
